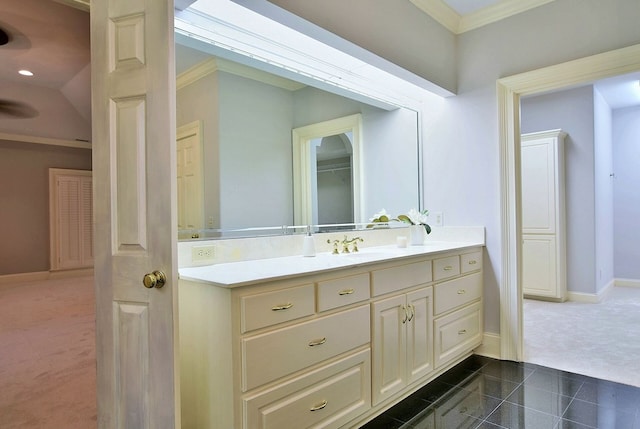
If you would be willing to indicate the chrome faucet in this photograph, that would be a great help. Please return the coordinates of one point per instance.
(345, 243)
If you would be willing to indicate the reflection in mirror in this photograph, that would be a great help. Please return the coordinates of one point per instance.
(327, 171)
(334, 183)
(248, 110)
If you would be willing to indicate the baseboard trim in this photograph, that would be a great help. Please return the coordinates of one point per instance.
(627, 282)
(24, 277)
(44, 275)
(65, 274)
(593, 298)
(490, 346)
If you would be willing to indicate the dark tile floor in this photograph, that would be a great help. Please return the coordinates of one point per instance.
(487, 393)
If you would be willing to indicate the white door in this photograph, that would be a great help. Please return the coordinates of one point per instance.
(70, 219)
(190, 181)
(134, 165)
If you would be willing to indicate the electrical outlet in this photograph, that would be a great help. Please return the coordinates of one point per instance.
(203, 253)
(436, 218)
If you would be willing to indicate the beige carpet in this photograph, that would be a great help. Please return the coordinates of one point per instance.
(47, 354)
(600, 340)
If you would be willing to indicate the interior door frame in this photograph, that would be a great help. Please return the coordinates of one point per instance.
(509, 91)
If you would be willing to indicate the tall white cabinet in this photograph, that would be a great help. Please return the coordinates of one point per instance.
(543, 215)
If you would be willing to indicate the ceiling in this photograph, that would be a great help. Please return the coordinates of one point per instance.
(52, 40)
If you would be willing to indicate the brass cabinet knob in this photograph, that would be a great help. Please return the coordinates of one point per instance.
(155, 279)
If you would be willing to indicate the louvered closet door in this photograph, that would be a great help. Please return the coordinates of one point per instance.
(72, 227)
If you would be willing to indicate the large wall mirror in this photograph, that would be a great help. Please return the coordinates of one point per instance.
(248, 112)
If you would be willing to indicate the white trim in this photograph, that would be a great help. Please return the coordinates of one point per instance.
(24, 277)
(83, 5)
(592, 298)
(490, 346)
(496, 12)
(509, 91)
(213, 65)
(45, 140)
(459, 24)
(441, 12)
(627, 282)
(7, 279)
(301, 141)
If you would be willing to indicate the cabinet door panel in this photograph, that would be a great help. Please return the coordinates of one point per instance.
(389, 347)
(420, 334)
(539, 265)
(538, 186)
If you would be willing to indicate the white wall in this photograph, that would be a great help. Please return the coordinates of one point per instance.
(255, 153)
(604, 237)
(626, 160)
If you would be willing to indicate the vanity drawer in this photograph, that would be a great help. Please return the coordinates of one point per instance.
(343, 291)
(396, 278)
(446, 267)
(270, 308)
(457, 292)
(470, 262)
(457, 332)
(272, 355)
(327, 397)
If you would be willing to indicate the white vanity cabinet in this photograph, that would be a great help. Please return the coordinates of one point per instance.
(402, 341)
(330, 349)
(458, 316)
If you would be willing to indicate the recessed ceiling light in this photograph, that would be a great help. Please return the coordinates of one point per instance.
(25, 73)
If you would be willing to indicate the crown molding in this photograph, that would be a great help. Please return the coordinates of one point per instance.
(497, 12)
(83, 5)
(459, 24)
(213, 65)
(441, 12)
(77, 144)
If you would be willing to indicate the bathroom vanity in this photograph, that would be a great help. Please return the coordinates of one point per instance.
(324, 342)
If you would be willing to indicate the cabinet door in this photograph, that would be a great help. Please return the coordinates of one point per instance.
(389, 346)
(539, 265)
(419, 334)
(538, 186)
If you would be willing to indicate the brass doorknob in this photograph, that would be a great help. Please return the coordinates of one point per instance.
(155, 279)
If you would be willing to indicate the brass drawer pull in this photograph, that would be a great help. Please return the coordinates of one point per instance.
(346, 292)
(413, 312)
(286, 306)
(461, 291)
(462, 332)
(472, 262)
(448, 268)
(318, 407)
(319, 342)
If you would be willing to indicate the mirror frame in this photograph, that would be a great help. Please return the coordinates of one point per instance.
(302, 171)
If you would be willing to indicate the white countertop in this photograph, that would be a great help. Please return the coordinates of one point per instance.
(234, 274)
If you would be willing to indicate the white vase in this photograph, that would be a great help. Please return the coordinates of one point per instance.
(416, 234)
